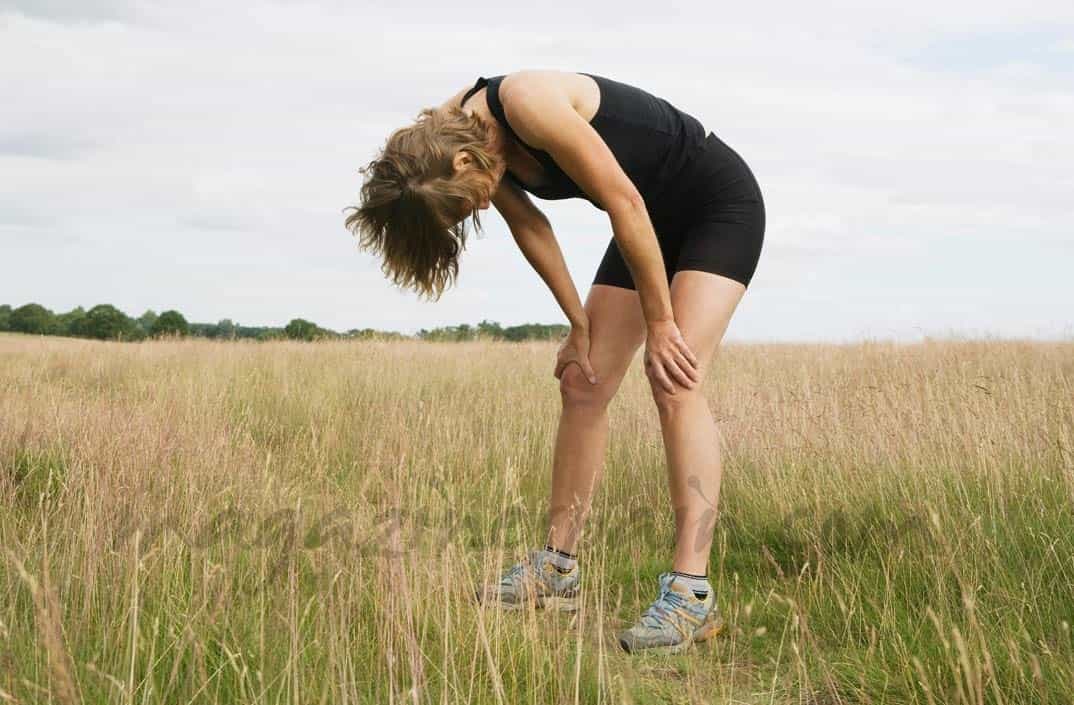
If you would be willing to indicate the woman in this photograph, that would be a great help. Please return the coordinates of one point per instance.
(688, 221)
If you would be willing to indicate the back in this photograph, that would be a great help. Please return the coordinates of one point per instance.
(651, 139)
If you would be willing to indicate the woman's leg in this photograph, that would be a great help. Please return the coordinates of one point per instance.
(616, 330)
(703, 303)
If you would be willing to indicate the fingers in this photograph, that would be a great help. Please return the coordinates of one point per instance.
(586, 368)
(672, 367)
(656, 371)
(590, 374)
(684, 348)
(678, 373)
(686, 366)
(671, 361)
(675, 371)
(682, 363)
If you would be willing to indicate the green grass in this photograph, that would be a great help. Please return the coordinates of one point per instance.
(201, 522)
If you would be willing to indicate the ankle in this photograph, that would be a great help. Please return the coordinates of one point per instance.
(697, 584)
(562, 560)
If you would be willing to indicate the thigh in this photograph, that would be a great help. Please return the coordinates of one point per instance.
(703, 303)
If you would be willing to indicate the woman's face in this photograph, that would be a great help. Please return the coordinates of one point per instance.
(495, 176)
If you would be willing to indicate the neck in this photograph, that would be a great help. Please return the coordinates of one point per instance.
(497, 135)
(498, 138)
(497, 143)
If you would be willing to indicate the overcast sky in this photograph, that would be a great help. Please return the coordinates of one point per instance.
(915, 157)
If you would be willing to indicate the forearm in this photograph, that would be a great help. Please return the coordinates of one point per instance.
(636, 238)
(540, 248)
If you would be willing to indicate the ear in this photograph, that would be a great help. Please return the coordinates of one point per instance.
(461, 160)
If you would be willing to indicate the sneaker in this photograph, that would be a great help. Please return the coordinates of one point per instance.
(674, 621)
(535, 579)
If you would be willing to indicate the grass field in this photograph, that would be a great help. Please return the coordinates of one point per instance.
(205, 522)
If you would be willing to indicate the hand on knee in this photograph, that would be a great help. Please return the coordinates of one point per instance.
(578, 391)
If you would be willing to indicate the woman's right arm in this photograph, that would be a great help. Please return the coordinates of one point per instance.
(539, 246)
(534, 236)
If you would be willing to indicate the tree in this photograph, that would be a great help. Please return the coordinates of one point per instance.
(5, 317)
(226, 328)
(301, 329)
(146, 321)
(72, 323)
(32, 318)
(535, 331)
(106, 322)
(170, 323)
(489, 329)
(373, 334)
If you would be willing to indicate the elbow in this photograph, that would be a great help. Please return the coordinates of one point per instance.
(628, 203)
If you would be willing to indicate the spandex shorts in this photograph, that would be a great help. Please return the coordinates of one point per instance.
(712, 218)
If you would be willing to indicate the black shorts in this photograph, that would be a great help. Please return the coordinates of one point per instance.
(711, 218)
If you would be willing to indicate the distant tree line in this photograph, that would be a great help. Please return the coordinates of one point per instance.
(106, 322)
(490, 330)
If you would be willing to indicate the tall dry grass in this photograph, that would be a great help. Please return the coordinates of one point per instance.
(201, 522)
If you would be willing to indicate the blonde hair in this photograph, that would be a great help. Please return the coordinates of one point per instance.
(413, 204)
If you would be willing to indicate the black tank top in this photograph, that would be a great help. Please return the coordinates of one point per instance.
(651, 139)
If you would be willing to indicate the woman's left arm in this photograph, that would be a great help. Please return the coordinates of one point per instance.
(544, 117)
(667, 355)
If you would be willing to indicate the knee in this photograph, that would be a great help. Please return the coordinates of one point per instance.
(577, 391)
(669, 404)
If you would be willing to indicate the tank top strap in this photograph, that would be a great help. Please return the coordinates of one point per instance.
(481, 82)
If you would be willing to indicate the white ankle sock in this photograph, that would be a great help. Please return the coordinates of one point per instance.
(560, 559)
(697, 584)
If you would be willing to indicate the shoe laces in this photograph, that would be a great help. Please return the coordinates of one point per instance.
(517, 572)
(660, 612)
(514, 575)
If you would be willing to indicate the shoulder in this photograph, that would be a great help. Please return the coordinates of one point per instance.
(523, 90)
(536, 102)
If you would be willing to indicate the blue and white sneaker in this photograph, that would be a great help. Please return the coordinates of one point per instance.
(534, 580)
(674, 621)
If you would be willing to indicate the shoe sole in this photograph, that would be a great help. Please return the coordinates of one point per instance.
(705, 632)
(558, 604)
(553, 604)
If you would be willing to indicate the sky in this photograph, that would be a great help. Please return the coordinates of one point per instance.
(915, 157)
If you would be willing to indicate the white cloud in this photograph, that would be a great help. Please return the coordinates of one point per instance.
(165, 155)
